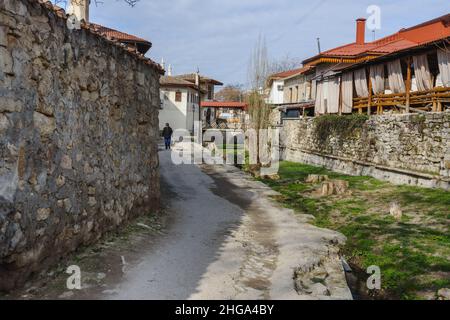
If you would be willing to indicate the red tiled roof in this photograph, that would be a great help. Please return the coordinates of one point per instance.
(191, 77)
(424, 33)
(226, 104)
(118, 35)
(290, 73)
(89, 27)
(174, 82)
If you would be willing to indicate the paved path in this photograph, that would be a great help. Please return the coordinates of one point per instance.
(228, 240)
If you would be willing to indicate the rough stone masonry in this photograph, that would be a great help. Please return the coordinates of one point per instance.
(403, 149)
(78, 137)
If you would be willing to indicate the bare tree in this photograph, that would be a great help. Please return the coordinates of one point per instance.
(231, 92)
(258, 110)
(284, 64)
(258, 67)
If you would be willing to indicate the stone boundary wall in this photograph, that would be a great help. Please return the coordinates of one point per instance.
(403, 149)
(78, 138)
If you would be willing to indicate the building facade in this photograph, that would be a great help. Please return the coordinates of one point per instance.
(179, 104)
(180, 99)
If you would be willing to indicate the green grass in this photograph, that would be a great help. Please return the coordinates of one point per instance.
(413, 254)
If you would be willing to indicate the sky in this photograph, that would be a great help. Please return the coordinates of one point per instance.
(217, 36)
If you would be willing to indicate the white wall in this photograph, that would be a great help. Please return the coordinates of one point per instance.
(178, 114)
(276, 96)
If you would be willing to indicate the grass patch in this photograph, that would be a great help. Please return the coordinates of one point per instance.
(413, 254)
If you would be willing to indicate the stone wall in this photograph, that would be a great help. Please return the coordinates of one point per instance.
(78, 138)
(403, 149)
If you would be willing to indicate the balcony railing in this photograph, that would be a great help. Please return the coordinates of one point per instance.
(418, 101)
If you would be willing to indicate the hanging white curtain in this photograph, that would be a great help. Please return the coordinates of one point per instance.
(347, 92)
(333, 95)
(377, 78)
(396, 82)
(444, 66)
(320, 106)
(313, 89)
(424, 80)
(361, 83)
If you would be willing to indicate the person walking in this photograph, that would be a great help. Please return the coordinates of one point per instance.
(167, 134)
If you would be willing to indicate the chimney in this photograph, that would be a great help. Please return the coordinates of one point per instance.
(361, 31)
(79, 8)
(197, 79)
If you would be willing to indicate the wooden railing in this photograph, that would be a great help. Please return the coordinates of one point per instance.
(419, 101)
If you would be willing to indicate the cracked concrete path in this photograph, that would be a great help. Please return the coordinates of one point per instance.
(229, 240)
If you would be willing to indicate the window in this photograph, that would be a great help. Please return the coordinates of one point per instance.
(290, 95)
(280, 87)
(178, 96)
(291, 114)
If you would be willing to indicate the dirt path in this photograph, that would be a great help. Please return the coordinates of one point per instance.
(225, 239)
(228, 240)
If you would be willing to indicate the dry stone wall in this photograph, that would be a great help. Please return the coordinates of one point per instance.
(78, 138)
(403, 149)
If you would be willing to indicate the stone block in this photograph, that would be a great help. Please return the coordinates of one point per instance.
(44, 124)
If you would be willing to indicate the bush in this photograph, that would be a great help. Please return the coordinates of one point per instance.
(339, 126)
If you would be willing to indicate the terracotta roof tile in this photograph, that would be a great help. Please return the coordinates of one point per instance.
(191, 77)
(290, 73)
(424, 33)
(93, 28)
(118, 35)
(169, 81)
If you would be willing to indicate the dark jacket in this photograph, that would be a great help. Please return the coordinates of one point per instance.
(167, 132)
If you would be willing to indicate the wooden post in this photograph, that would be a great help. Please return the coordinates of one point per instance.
(369, 103)
(340, 96)
(408, 84)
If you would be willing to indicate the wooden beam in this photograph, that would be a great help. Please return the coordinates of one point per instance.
(340, 96)
(408, 83)
(413, 109)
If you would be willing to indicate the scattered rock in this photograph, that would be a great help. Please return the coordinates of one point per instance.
(396, 211)
(444, 294)
(318, 289)
(273, 177)
(315, 178)
(336, 187)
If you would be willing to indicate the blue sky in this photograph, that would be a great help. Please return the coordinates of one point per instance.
(218, 35)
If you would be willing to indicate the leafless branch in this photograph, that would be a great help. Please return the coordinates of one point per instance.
(132, 3)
